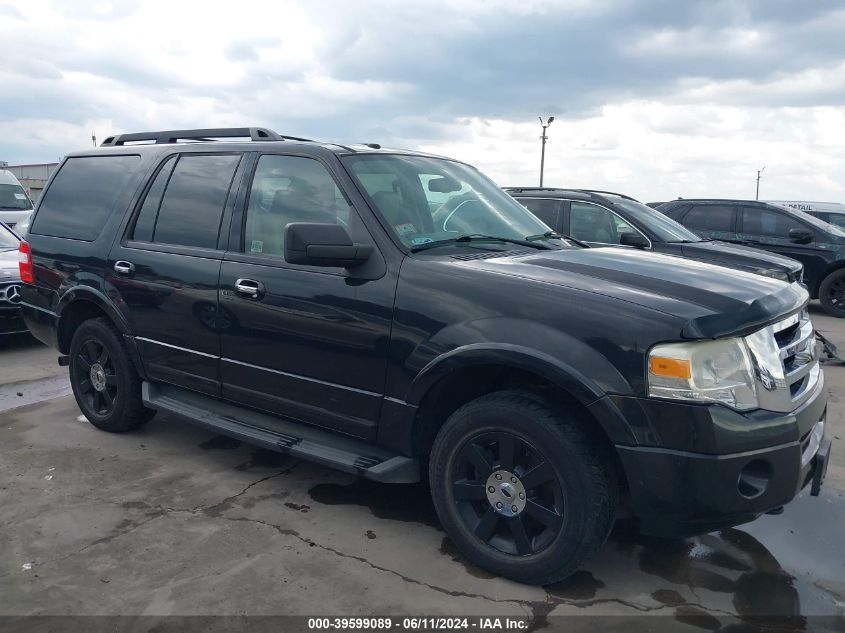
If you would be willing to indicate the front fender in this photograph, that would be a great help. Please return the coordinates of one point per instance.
(568, 363)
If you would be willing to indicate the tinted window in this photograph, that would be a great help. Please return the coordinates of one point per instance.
(289, 189)
(757, 221)
(592, 223)
(192, 205)
(546, 210)
(14, 197)
(82, 195)
(664, 227)
(145, 223)
(710, 217)
(836, 219)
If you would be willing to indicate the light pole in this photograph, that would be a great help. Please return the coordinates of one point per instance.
(759, 173)
(93, 138)
(543, 139)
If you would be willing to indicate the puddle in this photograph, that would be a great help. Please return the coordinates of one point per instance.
(19, 394)
(395, 502)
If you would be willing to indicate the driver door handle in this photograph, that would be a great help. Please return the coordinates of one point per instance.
(249, 288)
(124, 268)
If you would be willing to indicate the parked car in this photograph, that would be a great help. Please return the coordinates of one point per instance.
(602, 218)
(830, 212)
(816, 244)
(11, 321)
(537, 385)
(15, 205)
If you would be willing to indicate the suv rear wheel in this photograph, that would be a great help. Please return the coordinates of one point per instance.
(104, 381)
(832, 293)
(521, 488)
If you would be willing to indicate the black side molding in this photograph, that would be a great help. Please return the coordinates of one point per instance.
(298, 440)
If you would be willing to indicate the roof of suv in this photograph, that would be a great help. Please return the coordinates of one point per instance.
(581, 194)
(256, 137)
(761, 203)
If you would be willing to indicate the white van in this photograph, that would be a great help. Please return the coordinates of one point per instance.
(832, 212)
(15, 205)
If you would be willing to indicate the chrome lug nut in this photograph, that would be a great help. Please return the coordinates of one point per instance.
(499, 504)
(498, 476)
(513, 479)
(491, 489)
(522, 495)
(514, 508)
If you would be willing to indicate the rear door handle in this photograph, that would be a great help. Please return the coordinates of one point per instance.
(249, 288)
(124, 268)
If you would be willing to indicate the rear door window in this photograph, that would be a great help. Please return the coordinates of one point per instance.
(82, 195)
(146, 221)
(710, 217)
(547, 210)
(192, 205)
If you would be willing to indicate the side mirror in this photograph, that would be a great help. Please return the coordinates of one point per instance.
(800, 236)
(633, 239)
(312, 244)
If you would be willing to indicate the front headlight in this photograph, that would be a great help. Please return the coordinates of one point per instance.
(704, 371)
(774, 274)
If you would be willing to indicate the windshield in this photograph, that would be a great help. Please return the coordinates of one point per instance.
(427, 200)
(663, 227)
(7, 238)
(14, 197)
(827, 227)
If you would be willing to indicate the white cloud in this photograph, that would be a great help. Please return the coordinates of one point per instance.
(656, 99)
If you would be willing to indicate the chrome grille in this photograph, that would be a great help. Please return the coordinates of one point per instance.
(786, 360)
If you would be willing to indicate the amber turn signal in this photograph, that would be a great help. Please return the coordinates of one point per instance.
(670, 367)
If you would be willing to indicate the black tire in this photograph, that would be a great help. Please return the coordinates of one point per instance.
(560, 472)
(104, 380)
(832, 293)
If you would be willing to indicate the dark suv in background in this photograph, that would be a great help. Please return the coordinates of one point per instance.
(816, 244)
(396, 315)
(602, 218)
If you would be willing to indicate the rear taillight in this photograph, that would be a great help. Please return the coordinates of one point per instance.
(25, 262)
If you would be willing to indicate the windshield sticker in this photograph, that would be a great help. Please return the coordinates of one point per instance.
(257, 246)
(20, 196)
(416, 241)
(405, 229)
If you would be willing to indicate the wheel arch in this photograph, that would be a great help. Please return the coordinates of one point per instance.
(467, 373)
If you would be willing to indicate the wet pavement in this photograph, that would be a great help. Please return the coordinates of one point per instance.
(175, 520)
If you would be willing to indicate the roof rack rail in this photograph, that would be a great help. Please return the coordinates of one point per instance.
(174, 136)
(612, 193)
(533, 188)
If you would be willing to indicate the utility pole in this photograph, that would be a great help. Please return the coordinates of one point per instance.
(543, 139)
(93, 138)
(759, 173)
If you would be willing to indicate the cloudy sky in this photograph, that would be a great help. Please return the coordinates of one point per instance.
(655, 98)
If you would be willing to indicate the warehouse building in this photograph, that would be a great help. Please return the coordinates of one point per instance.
(33, 178)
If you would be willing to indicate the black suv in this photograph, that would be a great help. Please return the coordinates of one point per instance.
(398, 316)
(816, 244)
(603, 218)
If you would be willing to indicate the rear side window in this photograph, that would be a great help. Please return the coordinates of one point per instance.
(548, 211)
(146, 221)
(82, 196)
(757, 221)
(710, 217)
(192, 205)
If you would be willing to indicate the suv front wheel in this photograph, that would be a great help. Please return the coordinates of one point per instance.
(104, 380)
(832, 293)
(521, 488)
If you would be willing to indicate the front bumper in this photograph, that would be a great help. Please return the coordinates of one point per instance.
(678, 492)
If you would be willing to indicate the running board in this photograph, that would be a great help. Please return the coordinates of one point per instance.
(277, 434)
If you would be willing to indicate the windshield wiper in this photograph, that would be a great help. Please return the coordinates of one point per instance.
(478, 237)
(556, 235)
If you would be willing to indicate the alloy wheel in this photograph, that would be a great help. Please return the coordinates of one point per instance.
(507, 493)
(97, 380)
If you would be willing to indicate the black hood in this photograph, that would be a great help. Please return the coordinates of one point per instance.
(711, 300)
(743, 257)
